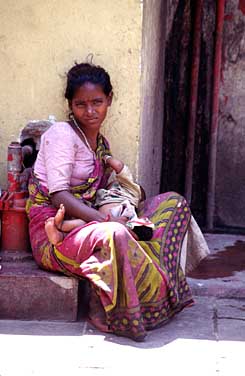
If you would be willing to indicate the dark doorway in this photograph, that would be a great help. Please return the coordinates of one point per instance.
(178, 65)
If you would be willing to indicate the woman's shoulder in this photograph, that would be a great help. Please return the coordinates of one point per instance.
(59, 129)
(60, 126)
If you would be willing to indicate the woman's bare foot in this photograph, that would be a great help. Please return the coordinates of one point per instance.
(68, 224)
(56, 226)
(59, 217)
(53, 226)
(54, 235)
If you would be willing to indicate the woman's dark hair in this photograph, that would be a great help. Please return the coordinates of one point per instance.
(81, 73)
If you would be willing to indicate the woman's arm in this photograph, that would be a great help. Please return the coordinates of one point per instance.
(75, 208)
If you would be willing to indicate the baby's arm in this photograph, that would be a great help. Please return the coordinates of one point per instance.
(114, 163)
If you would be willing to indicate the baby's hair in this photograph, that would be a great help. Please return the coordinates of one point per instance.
(81, 73)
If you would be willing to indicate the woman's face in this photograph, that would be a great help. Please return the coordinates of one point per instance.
(89, 106)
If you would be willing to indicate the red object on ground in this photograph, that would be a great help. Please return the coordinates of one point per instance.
(14, 222)
(14, 166)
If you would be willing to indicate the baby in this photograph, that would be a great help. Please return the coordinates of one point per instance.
(120, 198)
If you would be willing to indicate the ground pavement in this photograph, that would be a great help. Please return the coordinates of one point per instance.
(205, 339)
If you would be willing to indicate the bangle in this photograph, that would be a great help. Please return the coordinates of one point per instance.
(107, 157)
(107, 218)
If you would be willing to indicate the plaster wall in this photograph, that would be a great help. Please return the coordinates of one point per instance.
(152, 95)
(40, 40)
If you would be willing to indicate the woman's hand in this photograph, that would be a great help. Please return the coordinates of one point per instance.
(123, 220)
(77, 209)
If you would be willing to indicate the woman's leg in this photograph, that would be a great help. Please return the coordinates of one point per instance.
(131, 287)
(171, 216)
(140, 285)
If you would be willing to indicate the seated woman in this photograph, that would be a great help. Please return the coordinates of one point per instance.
(135, 285)
(121, 197)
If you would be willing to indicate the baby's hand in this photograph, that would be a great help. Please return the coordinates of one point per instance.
(123, 220)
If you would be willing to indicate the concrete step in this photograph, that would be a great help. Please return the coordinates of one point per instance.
(29, 293)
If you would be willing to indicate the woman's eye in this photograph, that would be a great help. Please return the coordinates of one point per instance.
(97, 103)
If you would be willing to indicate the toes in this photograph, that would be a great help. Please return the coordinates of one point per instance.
(49, 220)
(62, 208)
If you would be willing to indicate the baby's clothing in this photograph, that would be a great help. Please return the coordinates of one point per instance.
(125, 194)
(120, 187)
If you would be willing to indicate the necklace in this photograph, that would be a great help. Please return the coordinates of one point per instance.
(82, 133)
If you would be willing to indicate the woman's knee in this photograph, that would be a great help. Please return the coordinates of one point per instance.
(115, 226)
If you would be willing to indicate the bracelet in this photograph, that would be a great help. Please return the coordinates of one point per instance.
(107, 157)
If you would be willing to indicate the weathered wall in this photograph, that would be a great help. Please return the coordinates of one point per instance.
(40, 40)
(152, 98)
(230, 182)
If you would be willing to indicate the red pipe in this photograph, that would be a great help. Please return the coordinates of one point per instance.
(215, 114)
(193, 100)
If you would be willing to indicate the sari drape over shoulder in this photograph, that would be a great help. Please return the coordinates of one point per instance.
(135, 285)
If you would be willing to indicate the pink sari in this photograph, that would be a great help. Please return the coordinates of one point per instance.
(135, 286)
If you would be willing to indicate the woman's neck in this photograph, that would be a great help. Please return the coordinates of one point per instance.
(90, 136)
(92, 140)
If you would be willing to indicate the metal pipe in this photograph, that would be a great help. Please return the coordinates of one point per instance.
(215, 114)
(193, 100)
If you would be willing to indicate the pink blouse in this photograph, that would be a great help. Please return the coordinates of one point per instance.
(63, 159)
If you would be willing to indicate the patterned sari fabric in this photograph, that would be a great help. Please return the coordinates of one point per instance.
(135, 286)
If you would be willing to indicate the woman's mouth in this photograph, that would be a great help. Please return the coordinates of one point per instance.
(91, 120)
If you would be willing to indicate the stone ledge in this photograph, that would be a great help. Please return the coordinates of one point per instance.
(29, 293)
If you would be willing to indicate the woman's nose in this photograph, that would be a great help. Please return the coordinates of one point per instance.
(89, 109)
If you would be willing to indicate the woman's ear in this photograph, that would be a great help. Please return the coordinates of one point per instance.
(109, 98)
